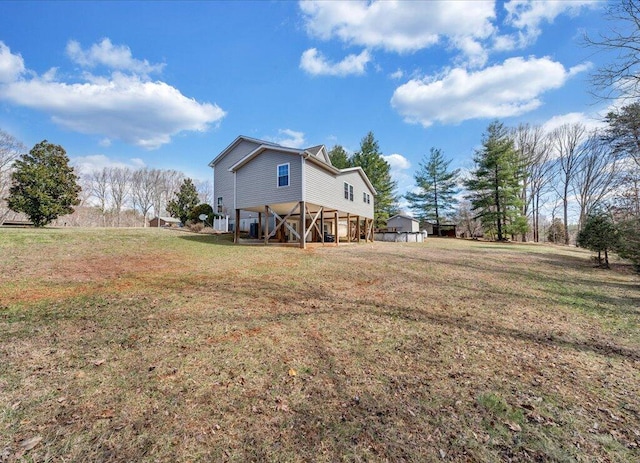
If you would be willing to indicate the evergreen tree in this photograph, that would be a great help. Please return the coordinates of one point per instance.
(437, 189)
(628, 246)
(599, 234)
(339, 157)
(44, 186)
(379, 172)
(556, 232)
(494, 185)
(186, 198)
(623, 131)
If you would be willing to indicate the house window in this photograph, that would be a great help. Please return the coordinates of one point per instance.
(366, 198)
(219, 205)
(283, 174)
(348, 191)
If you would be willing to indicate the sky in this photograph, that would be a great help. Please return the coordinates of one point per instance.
(170, 84)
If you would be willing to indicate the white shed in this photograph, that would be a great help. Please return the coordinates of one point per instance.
(403, 223)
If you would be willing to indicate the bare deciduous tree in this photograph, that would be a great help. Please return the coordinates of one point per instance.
(628, 200)
(467, 220)
(205, 191)
(595, 174)
(620, 77)
(567, 141)
(119, 186)
(10, 150)
(142, 188)
(99, 187)
(533, 148)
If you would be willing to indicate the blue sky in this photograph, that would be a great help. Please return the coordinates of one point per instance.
(171, 84)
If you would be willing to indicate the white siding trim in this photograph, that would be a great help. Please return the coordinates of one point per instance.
(303, 179)
(234, 193)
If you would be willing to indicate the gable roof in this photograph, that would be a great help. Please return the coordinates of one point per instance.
(236, 142)
(320, 151)
(167, 219)
(260, 149)
(403, 216)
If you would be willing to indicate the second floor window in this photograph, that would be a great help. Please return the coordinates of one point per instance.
(283, 175)
(348, 191)
(219, 208)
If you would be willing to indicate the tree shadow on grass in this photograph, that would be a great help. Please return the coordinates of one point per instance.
(327, 305)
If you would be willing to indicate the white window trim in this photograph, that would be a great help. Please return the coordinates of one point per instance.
(349, 191)
(288, 175)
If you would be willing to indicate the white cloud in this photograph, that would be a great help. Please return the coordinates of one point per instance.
(87, 165)
(400, 171)
(289, 138)
(11, 66)
(397, 161)
(401, 26)
(508, 89)
(399, 74)
(313, 62)
(117, 57)
(124, 107)
(589, 121)
(528, 15)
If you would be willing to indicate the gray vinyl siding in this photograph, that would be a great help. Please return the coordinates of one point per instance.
(326, 189)
(257, 181)
(403, 224)
(223, 179)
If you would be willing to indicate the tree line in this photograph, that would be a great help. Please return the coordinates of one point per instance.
(43, 186)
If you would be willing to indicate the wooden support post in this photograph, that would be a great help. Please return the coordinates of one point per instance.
(236, 228)
(357, 229)
(303, 225)
(348, 228)
(266, 225)
(259, 225)
(322, 225)
(373, 232)
(337, 231)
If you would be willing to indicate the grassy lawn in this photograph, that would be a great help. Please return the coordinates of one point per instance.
(158, 345)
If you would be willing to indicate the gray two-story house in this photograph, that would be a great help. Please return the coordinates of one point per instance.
(295, 195)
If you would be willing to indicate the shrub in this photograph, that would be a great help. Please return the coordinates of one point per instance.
(196, 227)
(204, 208)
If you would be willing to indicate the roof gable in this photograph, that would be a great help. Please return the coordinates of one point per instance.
(362, 174)
(259, 150)
(403, 216)
(235, 143)
(320, 152)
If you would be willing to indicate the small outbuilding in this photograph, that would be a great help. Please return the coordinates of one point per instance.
(403, 223)
(164, 222)
(445, 229)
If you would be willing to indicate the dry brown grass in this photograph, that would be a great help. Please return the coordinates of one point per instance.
(153, 345)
